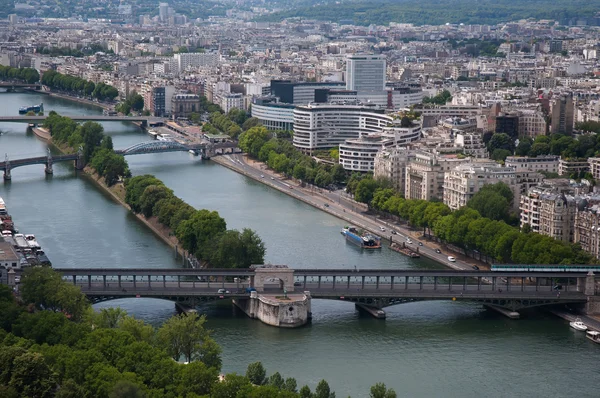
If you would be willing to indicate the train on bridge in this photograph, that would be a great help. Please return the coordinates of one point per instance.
(545, 268)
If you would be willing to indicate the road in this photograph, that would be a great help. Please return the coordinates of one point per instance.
(342, 208)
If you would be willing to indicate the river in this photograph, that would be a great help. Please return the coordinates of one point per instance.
(422, 349)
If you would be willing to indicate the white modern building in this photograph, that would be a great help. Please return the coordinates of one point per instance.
(321, 126)
(274, 116)
(359, 154)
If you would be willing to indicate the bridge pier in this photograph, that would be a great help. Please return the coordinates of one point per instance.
(508, 313)
(7, 176)
(375, 312)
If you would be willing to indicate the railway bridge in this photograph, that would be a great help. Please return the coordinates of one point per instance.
(372, 290)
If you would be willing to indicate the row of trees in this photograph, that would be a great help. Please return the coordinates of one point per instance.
(27, 75)
(201, 232)
(53, 344)
(283, 157)
(77, 85)
(469, 230)
(96, 147)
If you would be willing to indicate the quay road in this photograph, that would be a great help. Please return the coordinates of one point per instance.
(79, 118)
(340, 207)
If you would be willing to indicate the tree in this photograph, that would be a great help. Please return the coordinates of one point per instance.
(305, 392)
(323, 390)
(251, 141)
(365, 190)
(276, 380)
(126, 389)
(31, 377)
(379, 390)
(184, 335)
(196, 378)
(230, 387)
(338, 173)
(256, 373)
(151, 196)
(196, 234)
(524, 146)
(501, 141)
(249, 123)
(290, 384)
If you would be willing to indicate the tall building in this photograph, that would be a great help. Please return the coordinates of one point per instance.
(562, 112)
(425, 174)
(163, 12)
(365, 74)
(300, 93)
(390, 163)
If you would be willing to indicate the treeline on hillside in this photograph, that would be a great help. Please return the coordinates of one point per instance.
(202, 233)
(440, 12)
(468, 229)
(53, 344)
(97, 148)
(26, 75)
(77, 85)
(283, 157)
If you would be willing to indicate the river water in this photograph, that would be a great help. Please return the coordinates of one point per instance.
(423, 349)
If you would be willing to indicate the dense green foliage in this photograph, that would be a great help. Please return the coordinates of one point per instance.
(495, 201)
(96, 147)
(201, 232)
(469, 230)
(283, 157)
(26, 75)
(439, 12)
(440, 99)
(79, 86)
(54, 345)
(133, 102)
(229, 123)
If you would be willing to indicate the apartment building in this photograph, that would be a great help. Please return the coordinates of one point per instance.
(587, 226)
(546, 163)
(465, 180)
(390, 163)
(425, 174)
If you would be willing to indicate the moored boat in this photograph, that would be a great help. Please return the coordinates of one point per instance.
(578, 325)
(360, 238)
(593, 335)
(407, 251)
(33, 108)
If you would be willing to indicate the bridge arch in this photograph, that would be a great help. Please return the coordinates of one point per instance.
(154, 146)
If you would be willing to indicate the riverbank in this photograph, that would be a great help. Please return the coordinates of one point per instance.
(257, 171)
(42, 133)
(76, 99)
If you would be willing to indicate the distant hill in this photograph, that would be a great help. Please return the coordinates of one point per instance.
(438, 12)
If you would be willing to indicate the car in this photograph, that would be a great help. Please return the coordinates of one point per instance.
(220, 291)
(420, 243)
(451, 259)
(382, 229)
(262, 176)
(297, 283)
(556, 287)
(438, 251)
(409, 241)
(394, 232)
(476, 268)
(17, 279)
(272, 178)
(326, 205)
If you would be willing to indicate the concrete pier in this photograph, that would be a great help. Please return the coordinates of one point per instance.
(375, 312)
(508, 313)
(276, 311)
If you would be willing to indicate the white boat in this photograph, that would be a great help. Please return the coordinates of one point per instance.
(578, 325)
(593, 335)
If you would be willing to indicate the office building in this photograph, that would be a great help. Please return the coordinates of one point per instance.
(562, 111)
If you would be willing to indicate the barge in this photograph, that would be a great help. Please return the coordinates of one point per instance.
(362, 239)
(403, 249)
(24, 248)
(34, 108)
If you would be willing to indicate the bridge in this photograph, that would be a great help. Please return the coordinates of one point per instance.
(374, 289)
(145, 120)
(205, 149)
(12, 86)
